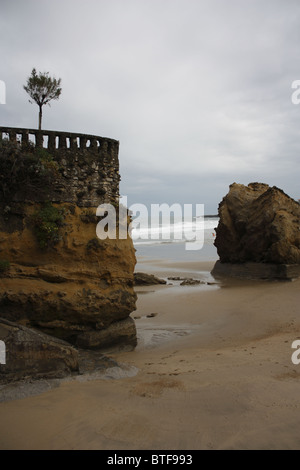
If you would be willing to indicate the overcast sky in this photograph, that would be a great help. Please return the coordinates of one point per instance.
(198, 92)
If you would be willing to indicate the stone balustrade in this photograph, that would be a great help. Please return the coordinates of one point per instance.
(55, 140)
(88, 165)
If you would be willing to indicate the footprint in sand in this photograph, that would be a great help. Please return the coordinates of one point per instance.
(156, 388)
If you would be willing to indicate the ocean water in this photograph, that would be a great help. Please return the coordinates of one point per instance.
(176, 241)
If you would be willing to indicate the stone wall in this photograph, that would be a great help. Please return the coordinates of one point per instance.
(88, 165)
(74, 286)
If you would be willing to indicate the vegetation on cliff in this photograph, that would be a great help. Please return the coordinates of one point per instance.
(4, 265)
(27, 169)
(47, 222)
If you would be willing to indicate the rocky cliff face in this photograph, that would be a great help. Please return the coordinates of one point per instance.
(55, 274)
(78, 287)
(258, 224)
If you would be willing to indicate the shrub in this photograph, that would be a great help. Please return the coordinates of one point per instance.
(47, 222)
(26, 170)
(4, 266)
(46, 160)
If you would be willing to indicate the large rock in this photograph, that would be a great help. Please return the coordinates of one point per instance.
(56, 272)
(31, 354)
(258, 224)
(80, 286)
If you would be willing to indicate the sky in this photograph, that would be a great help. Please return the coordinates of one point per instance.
(197, 92)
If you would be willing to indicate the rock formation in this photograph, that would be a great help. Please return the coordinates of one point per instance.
(30, 353)
(143, 279)
(258, 232)
(56, 275)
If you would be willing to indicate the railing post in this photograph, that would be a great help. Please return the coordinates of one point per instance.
(12, 135)
(83, 140)
(73, 143)
(25, 138)
(51, 142)
(93, 143)
(62, 143)
(38, 139)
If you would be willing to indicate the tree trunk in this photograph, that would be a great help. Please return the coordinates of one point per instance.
(40, 118)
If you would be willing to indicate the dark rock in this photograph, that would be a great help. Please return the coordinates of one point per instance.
(119, 335)
(256, 270)
(186, 281)
(191, 282)
(32, 354)
(142, 279)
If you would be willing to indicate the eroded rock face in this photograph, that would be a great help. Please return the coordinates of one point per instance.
(31, 354)
(56, 275)
(259, 224)
(80, 290)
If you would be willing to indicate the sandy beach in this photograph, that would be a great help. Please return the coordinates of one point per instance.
(147, 139)
(212, 370)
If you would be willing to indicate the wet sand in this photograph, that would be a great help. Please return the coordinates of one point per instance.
(212, 370)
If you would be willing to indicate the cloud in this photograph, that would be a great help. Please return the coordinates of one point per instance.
(198, 93)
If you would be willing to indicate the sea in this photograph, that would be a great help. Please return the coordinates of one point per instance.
(176, 240)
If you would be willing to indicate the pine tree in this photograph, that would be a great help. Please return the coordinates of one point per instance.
(42, 89)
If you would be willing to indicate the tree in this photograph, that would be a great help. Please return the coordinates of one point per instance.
(42, 89)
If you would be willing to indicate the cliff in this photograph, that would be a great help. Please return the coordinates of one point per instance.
(56, 275)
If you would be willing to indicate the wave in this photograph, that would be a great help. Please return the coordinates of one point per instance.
(200, 228)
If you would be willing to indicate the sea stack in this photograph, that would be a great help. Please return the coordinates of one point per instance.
(258, 233)
(57, 276)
